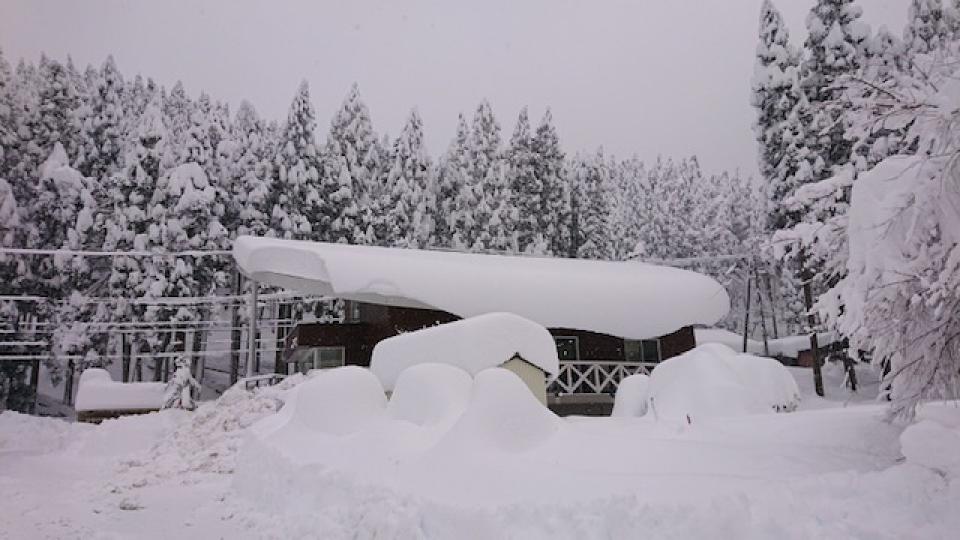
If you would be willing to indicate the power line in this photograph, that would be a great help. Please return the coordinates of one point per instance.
(92, 253)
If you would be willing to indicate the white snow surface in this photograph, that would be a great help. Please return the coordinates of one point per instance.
(473, 344)
(97, 391)
(712, 380)
(836, 472)
(631, 397)
(598, 296)
(430, 395)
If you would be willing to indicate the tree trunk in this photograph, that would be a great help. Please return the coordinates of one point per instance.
(814, 346)
(235, 330)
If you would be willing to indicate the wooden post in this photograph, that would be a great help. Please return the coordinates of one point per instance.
(746, 315)
(35, 383)
(284, 312)
(235, 331)
(252, 350)
(814, 346)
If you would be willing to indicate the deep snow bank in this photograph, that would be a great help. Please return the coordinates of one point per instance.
(430, 395)
(710, 381)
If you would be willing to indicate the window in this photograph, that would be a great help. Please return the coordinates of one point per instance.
(328, 357)
(568, 348)
(352, 311)
(647, 350)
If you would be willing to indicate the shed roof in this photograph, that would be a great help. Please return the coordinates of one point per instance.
(627, 299)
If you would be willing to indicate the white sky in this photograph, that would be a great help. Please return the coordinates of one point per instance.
(650, 77)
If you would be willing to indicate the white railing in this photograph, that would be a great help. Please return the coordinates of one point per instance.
(594, 377)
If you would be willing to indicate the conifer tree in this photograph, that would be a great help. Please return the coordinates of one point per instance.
(349, 193)
(295, 200)
(555, 210)
(929, 26)
(774, 97)
(456, 197)
(412, 207)
(526, 188)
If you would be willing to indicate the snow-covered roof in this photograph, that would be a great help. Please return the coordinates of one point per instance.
(627, 299)
(473, 344)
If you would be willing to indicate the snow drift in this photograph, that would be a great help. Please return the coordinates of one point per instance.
(473, 344)
(712, 380)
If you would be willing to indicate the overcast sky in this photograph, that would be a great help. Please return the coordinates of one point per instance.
(650, 77)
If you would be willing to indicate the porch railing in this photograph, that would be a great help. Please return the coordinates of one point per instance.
(594, 377)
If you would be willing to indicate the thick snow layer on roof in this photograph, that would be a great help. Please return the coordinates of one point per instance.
(626, 299)
(473, 344)
(98, 392)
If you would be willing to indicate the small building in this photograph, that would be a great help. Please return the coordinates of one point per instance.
(474, 344)
(606, 318)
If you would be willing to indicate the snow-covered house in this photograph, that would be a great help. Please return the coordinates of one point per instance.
(597, 311)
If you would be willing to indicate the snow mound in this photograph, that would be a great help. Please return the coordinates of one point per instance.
(932, 445)
(25, 433)
(631, 397)
(712, 380)
(502, 415)
(98, 392)
(338, 401)
(473, 344)
(430, 395)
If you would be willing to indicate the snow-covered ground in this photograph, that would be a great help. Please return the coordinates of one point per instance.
(501, 469)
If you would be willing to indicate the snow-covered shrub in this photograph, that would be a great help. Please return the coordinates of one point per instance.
(631, 397)
(502, 416)
(712, 380)
(430, 394)
(181, 388)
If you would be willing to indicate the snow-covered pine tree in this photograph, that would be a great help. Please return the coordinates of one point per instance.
(456, 198)
(101, 133)
(929, 26)
(295, 200)
(181, 218)
(247, 162)
(348, 194)
(15, 393)
(774, 97)
(128, 219)
(8, 136)
(485, 184)
(592, 205)
(411, 205)
(555, 210)
(63, 217)
(526, 189)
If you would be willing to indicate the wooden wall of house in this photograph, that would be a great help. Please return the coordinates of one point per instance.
(594, 346)
(677, 343)
(377, 323)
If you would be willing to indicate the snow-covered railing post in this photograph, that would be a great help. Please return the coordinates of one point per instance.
(252, 348)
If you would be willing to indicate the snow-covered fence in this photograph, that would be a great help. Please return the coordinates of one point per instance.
(594, 377)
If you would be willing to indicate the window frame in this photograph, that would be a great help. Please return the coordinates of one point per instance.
(576, 342)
